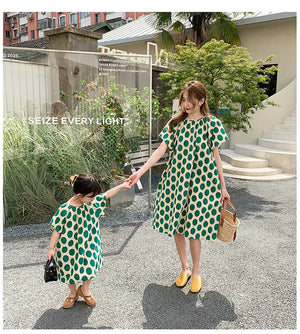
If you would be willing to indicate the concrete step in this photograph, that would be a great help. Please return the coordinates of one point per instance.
(289, 120)
(277, 144)
(243, 161)
(286, 128)
(277, 177)
(277, 158)
(262, 171)
(286, 136)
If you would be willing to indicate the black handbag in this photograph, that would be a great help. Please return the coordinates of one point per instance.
(50, 273)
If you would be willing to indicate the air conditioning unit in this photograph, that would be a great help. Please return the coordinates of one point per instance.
(12, 25)
(30, 16)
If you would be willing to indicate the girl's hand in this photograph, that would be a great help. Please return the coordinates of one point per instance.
(134, 178)
(126, 184)
(224, 194)
(50, 253)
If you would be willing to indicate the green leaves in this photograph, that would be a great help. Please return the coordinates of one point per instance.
(232, 80)
(39, 159)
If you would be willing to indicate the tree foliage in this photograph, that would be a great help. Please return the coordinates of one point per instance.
(204, 26)
(232, 80)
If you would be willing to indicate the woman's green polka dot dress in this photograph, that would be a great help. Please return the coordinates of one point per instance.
(78, 252)
(188, 197)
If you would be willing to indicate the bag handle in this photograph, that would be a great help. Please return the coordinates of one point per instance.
(50, 262)
(224, 205)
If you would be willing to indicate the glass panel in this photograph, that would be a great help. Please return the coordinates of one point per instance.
(67, 113)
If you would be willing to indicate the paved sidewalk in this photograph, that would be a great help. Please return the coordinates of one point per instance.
(247, 284)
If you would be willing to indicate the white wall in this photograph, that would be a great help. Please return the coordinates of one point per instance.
(26, 89)
(276, 38)
(268, 118)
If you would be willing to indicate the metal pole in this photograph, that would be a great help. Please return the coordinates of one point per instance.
(150, 130)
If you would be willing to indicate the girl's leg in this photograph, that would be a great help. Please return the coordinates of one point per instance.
(86, 287)
(195, 246)
(85, 293)
(181, 249)
(72, 290)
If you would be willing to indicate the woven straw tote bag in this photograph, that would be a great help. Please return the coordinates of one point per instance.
(228, 223)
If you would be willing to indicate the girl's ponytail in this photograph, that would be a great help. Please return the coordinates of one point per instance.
(73, 179)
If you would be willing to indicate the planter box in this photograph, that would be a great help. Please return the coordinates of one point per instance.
(125, 196)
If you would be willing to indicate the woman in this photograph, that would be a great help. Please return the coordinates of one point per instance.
(191, 190)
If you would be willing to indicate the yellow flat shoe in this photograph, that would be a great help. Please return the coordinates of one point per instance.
(196, 284)
(182, 279)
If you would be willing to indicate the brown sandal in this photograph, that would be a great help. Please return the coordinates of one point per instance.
(70, 301)
(90, 300)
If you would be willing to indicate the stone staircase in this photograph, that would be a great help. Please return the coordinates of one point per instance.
(273, 158)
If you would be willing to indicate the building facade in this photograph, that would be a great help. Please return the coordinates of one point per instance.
(25, 26)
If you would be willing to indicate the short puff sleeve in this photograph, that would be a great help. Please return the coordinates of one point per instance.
(99, 204)
(59, 218)
(216, 133)
(167, 137)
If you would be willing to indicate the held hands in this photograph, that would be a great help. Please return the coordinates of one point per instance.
(127, 184)
(134, 178)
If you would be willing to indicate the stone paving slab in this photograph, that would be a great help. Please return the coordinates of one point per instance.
(247, 284)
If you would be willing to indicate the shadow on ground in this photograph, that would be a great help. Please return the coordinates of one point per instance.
(246, 204)
(73, 318)
(170, 308)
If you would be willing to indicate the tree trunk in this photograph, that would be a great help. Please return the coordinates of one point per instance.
(200, 24)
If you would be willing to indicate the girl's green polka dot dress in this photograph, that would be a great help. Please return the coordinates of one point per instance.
(188, 197)
(78, 252)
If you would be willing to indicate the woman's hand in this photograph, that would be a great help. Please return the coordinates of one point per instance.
(50, 253)
(134, 178)
(224, 194)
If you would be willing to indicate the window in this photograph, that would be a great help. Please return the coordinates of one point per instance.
(97, 18)
(83, 15)
(15, 33)
(24, 28)
(271, 86)
(44, 23)
(73, 19)
(7, 34)
(32, 34)
(62, 21)
(54, 22)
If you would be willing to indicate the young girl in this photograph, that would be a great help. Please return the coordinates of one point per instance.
(191, 190)
(75, 243)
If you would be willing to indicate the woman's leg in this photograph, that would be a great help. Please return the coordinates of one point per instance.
(181, 249)
(195, 246)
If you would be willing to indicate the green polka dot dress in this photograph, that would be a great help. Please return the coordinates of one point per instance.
(78, 252)
(188, 197)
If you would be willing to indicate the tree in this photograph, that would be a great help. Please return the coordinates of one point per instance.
(232, 80)
(205, 25)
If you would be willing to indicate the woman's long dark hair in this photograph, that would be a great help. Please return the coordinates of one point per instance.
(195, 90)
